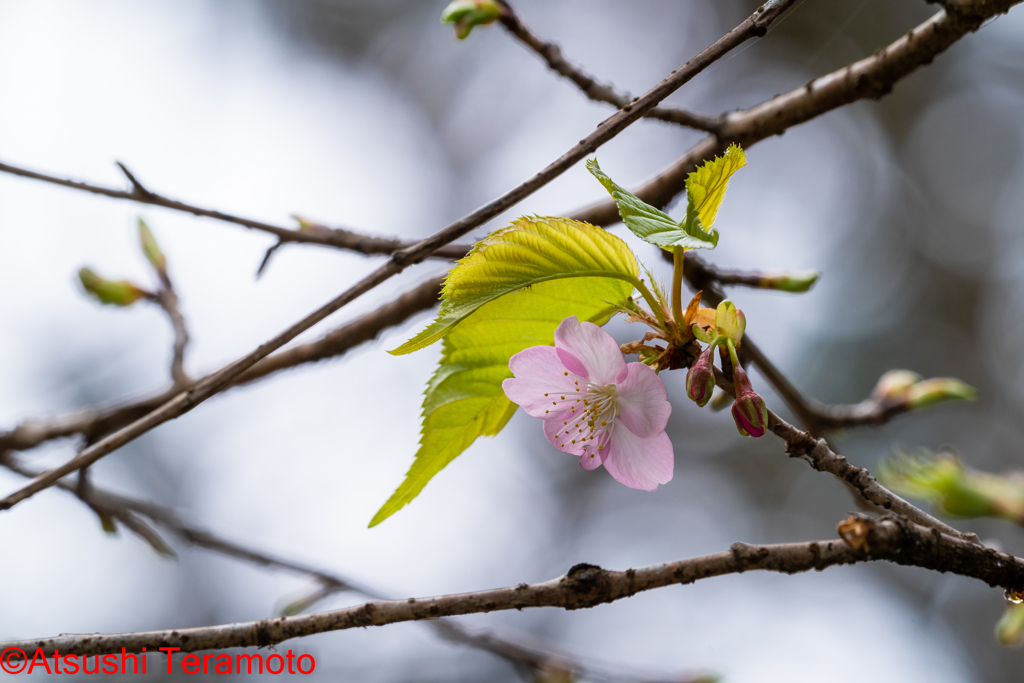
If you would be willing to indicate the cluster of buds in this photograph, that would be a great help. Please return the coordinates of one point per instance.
(748, 408)
(124, 292)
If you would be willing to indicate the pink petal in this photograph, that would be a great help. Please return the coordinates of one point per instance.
(639, 463)
(643, 404)
(591, 460)
(538, 372)
(555, 427)
(593, 348)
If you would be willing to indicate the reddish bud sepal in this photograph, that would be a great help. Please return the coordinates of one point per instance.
(749, 410)
(700, 378)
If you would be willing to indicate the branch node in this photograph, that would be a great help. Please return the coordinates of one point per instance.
(137, 188)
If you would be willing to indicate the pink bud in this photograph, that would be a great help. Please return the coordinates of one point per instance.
(749, 410)
(700, 379)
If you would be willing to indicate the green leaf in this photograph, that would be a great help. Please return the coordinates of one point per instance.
(650, 224)
(705, 188)
(464, 399)
(525, 254)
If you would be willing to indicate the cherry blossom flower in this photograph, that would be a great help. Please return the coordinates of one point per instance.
(595, 405)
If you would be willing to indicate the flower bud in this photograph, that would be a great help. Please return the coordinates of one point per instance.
(468, 14)
(700, 379)
(748, 410)
(730, 321)
(116, 293)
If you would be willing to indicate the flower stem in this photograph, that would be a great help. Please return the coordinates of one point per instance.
(732, 352)
(677, 285)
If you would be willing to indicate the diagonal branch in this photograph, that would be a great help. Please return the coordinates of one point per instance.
(817, 452)
(755, 25)
(871, 78)
(864, 540)
(551, 53)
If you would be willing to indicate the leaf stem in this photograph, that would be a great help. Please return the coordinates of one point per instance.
(678, 254)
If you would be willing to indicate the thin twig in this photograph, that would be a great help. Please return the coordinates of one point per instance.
(551, 53)
(890, 539)
(338, 238)
(168, 300)
(755, 25)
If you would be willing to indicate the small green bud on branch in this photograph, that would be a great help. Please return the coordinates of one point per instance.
(797, 283)
(466, 15)
(152, 250)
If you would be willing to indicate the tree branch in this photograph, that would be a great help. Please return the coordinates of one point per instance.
(338, 238)
(870, 78)
(889, 539)
(128, 510)
(551, 53)
(755, 25)
(873, 77)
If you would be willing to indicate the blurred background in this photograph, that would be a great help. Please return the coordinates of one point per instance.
(371, 115)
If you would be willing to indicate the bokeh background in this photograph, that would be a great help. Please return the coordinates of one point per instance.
(371, 115)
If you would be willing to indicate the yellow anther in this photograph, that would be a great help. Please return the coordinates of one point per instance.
(603, 423)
